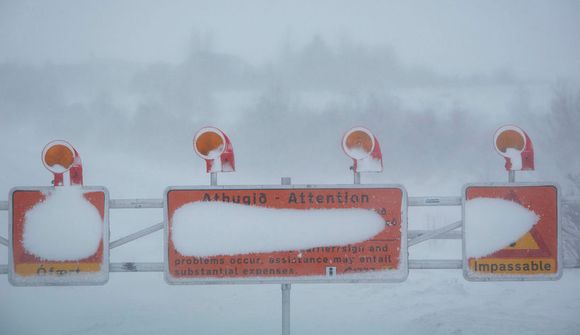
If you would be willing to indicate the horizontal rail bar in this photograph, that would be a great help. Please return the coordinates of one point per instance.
(136, 203)
(136, 235)
(435, 233)
(425, 264)
(450, 235)
(413, 202)
(136, 267)
(434, 201)
(417, 264)
(412, 234)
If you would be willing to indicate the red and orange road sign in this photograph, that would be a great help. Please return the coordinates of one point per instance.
(534, 256)
(382, 258)
(26, 269)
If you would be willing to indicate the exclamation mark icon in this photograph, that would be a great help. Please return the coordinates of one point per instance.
(330, 271)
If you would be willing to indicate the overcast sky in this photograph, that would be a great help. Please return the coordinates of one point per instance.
(532, 38)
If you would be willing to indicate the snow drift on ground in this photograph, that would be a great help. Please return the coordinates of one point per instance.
(217, 228)
(64, 227)
(493, 224)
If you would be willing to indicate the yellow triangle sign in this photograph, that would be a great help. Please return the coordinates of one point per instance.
(526, 242)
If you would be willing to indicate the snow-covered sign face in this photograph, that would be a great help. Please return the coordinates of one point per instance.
(511, 232)
(58, 156)
(59, 235)
(259, 234)
(209, 143)
(358, 143)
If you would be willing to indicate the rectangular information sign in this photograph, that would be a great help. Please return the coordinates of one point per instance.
(59, 236)
(285, 234)
(511, 232)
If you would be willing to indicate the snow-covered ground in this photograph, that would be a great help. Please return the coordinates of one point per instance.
(429, 302)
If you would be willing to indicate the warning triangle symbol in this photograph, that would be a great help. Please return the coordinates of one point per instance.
(526, 242)
(530, 245)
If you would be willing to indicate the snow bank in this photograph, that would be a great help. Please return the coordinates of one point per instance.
(493, 224)
(217, 228)
(64, 227)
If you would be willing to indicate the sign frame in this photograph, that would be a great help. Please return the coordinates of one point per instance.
(482, 277)
(97, 279)
(368, 277)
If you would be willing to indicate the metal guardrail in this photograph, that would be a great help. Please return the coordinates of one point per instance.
(451, 231)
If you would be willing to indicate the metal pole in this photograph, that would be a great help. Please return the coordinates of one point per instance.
(357, 178)
(512, 176)
(286, 309)
(213, 179)
(286, 287)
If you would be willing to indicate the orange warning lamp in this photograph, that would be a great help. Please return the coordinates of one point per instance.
(214, 146)
(363, 147)
(515, 146)
(60, 157)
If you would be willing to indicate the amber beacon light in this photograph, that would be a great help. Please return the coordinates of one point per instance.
(363, 147)
(60, 157)
(514, 144)
(215, 148)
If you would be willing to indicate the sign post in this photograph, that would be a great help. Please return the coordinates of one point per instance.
(59, 235)
(512, 231)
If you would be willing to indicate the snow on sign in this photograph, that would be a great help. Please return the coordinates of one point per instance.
(59, 236)
(511, 232)
(283, 234)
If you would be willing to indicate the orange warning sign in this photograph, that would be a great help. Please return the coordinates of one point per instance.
(534, 255)
(381, 257)
(39, 256)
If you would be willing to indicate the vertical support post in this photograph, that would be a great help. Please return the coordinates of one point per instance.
(213, 178)
(286, 287)
(512, 176)
(286, 309)
(357, 178)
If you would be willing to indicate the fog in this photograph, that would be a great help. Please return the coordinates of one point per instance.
(129, 83)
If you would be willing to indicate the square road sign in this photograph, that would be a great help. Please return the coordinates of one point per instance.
(378, 258)
(511, 232)
(59, 236)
